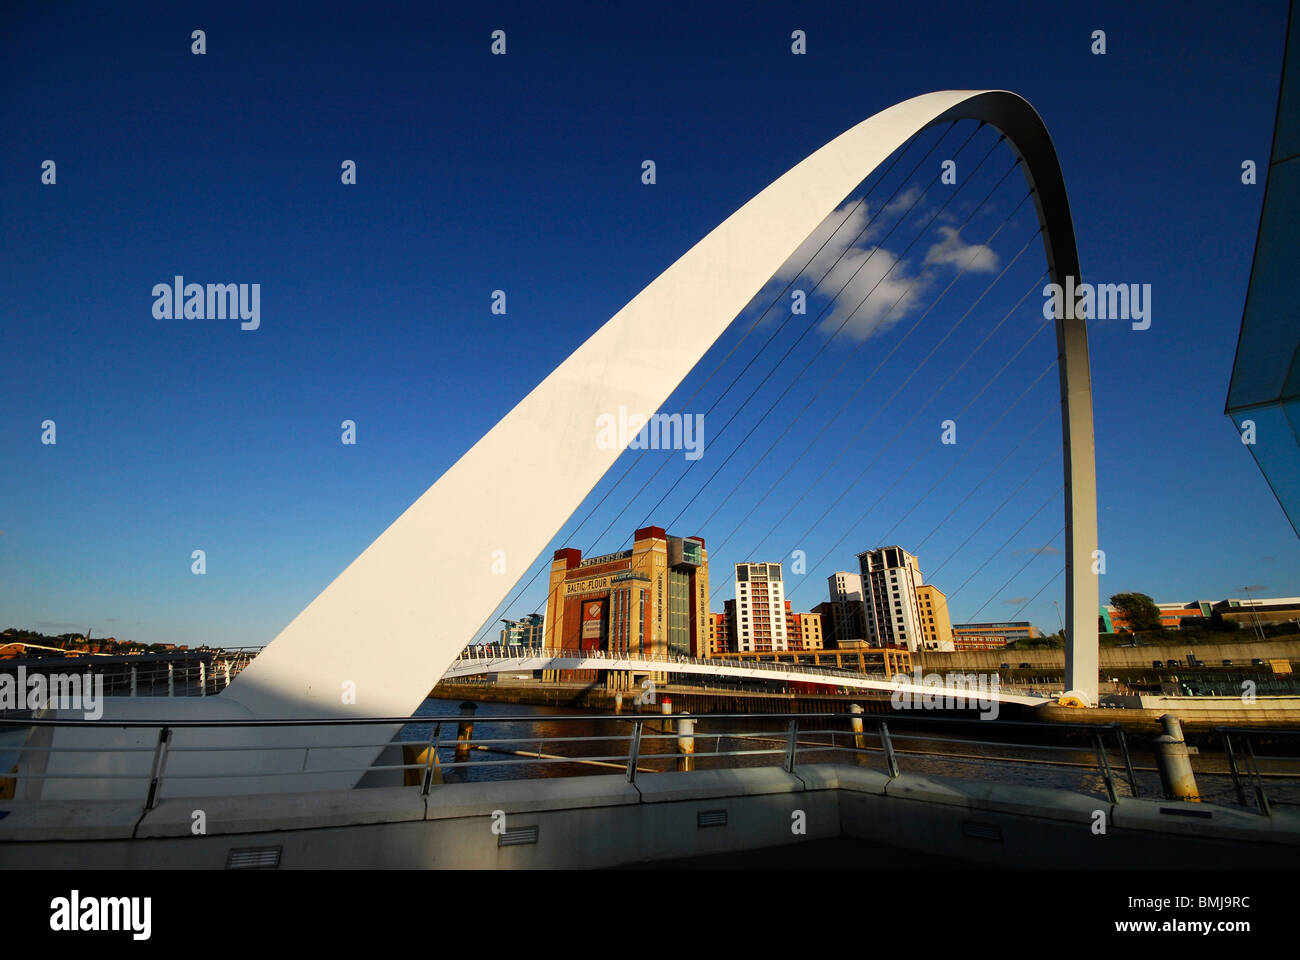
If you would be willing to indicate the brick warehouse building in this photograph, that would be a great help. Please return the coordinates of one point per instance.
(650, 600)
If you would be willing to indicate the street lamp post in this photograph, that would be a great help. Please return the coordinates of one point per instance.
(1254, 614)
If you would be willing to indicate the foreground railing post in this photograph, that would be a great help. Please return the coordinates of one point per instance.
(634, 751)
(133, 680)
(432, 769)
(1103, 765)
(1128, 760)
(1232, 768)
(1260, 796)
(891, 761)
(203, 679)
(171, 680)
(791, 744)
(159, 764)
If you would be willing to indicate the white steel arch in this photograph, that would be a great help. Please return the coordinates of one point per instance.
(393, 621)
(399, 614)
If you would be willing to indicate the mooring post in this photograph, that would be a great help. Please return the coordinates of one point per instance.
(1174, 763)
(618, 703)
(686, 741)
(855, 725)
(465, 730)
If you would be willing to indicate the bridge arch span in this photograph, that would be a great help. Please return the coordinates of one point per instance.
(431, 570)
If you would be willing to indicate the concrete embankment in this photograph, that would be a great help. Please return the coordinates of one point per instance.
(692, 700)
(1196, 713)
(1120, 658)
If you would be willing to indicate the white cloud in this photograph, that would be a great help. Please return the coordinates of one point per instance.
(954, 252)
(862, 220)
(875, 274)
(864, 271)
(869, 274)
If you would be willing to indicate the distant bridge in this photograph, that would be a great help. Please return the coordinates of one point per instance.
(483, 660)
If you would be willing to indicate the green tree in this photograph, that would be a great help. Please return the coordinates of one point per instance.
(1140, 610)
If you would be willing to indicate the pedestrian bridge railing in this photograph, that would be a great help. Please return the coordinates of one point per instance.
(799, 663)
(958, 685)
(199, 673)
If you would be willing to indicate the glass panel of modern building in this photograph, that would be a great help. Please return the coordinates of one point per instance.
(1264, 395)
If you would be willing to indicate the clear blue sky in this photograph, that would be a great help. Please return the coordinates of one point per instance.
(522, 173)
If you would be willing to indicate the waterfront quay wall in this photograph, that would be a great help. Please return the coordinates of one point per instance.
(684, 698)
(605, 821)
(1213, 654)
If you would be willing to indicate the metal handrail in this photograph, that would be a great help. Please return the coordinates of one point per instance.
(793, 736)
(1251, 762)
(529, 718)
(790, 735)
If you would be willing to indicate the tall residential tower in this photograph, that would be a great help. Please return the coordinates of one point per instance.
(759, 625)
(890, 578)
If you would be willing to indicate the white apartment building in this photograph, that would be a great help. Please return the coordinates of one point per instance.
(890, 576)
(846, 608)
(760, 609)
